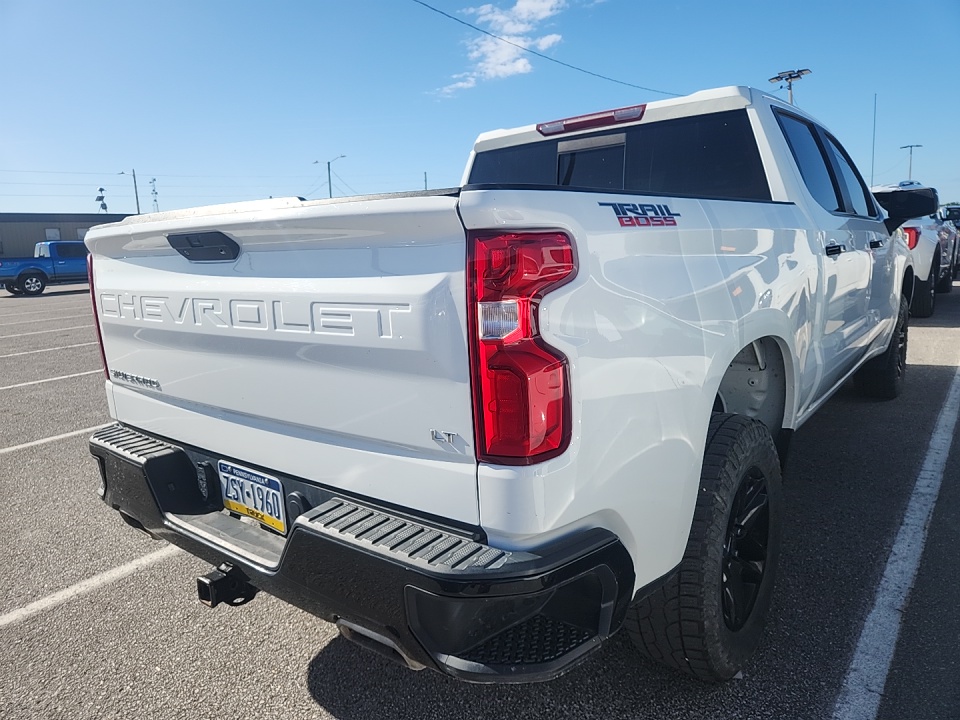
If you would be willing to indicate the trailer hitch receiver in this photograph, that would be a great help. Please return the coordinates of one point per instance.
(226, 584)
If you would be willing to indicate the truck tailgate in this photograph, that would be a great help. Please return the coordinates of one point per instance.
(333, 347)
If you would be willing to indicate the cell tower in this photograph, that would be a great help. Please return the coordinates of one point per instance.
(153, 191)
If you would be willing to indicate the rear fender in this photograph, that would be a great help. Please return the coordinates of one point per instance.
(32, 270)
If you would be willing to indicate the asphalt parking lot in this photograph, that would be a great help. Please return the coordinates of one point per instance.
(99, 621)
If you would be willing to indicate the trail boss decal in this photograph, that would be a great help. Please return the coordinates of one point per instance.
(637, 215)
(140, 380)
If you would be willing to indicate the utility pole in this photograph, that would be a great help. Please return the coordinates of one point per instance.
(153, 191)
(424, 179)
(136, 194)
(329, 180)
(910, 167)
(790, 77)
(873, 149)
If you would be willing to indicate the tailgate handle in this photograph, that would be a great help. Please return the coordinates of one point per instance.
(205, 247)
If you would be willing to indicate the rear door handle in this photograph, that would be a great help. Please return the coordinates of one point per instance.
(835, 249)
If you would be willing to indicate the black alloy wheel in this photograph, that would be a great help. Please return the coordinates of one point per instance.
(901, 340)
(745, 549)
(883, 376)
(707, 617)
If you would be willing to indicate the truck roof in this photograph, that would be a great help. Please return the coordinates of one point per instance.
(732, 97)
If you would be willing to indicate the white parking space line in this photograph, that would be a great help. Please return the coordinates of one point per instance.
(36, 320)
(87, 586)
(54, 308)
(867, 675)
(46, 380)
(61, 347)
(54, 438)
(41, 332)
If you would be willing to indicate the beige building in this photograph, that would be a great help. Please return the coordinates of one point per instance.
(20, 232)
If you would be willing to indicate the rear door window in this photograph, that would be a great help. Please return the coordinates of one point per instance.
(705, 156)
(810, 159)
(71, 251)
(857, 197)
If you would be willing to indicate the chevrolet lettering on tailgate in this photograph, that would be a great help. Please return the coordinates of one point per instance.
(370, 320)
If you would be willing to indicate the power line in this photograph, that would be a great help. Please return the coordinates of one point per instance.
(314, 189)
(110, 172)
(239, 179)
(541, 55)
(345, 183)
(59, 172)
(55, 184)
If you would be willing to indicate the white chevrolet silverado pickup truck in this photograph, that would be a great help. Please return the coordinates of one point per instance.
(482, 429)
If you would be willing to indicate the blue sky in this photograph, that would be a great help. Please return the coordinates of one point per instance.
(223, 101)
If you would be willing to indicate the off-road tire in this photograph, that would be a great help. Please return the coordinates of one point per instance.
(32, 284)
(686, 623)
(883, 376)
(924, 295)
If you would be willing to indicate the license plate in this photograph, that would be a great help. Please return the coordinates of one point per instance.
(254, 494)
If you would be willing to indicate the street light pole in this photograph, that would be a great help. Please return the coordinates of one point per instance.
(136, 193)
(910, 166)
(790, 77)
(329, 181)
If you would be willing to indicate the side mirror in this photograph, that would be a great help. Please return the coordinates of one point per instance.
(903, 205)
(951, 213)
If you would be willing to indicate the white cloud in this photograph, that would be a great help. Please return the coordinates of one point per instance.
(493, 58)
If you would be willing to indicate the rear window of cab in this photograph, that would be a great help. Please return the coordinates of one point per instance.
(705, 156)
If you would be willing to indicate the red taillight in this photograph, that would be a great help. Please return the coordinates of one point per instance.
(520, 388)
(96, 315)
(594, 120)
(913, 236)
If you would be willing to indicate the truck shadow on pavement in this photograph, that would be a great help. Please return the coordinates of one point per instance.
(849, 475)
(352, 683)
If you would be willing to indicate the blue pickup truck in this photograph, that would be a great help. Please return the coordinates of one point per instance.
(53, 262)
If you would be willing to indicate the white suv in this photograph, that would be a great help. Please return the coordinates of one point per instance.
(933, 241)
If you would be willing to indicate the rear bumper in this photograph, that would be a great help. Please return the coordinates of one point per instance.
(407, 587)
